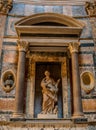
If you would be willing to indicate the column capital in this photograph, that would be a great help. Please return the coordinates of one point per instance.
(23, 45)
(73, 47)
(5, 6)
(90, 8)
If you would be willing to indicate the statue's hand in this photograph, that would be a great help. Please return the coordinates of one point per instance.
(58, 81)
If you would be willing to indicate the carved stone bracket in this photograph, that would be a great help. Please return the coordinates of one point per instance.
(73, 47)
(90, 8)
(23, 46)
(5, 6)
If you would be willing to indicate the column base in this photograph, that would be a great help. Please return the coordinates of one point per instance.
(79, 118)
(18, 116)
(78, 115)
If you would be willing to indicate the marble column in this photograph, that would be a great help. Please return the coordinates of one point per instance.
(19, 99)
(76, 87)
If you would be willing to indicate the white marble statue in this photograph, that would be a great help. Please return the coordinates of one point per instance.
(49, 91)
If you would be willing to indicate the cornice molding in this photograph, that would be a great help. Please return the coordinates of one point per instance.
(70, 26)
(53, 2)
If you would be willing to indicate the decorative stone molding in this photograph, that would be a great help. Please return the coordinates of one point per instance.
(87, 81)
(23, 46)
(52, 2)
(73, 47)
(90, 8)
(5, 6)
(8, 80)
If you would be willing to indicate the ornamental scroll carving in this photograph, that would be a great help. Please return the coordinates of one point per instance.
(5, 6)
(23, 46)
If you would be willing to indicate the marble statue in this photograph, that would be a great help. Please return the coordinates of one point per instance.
(9, 82)
(49, 91)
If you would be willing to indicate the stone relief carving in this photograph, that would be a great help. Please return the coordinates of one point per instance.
(5, 5)
(90, 8)
(8, 81)
(87, 82)
(23, 45)
(49, 91)
(73, 47)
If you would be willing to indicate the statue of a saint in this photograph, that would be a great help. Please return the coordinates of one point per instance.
(49, 91)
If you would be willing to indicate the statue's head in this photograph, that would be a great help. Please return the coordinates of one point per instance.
(9, 76)
(47, 73)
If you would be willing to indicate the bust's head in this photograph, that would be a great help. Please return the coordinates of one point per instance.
(47, 73)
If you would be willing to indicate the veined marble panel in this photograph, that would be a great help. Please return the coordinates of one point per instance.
(18, 9)
(10, 26)
(67, 10)
(78, 11)
(86, 59)
(87, 31)
(29, 9)
(10, 56)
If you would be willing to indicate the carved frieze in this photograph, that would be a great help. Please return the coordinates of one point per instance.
(23, 46)
(5, 6)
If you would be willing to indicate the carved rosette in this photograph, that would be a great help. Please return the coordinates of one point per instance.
(23, 46)
(73, 47)
(5, 6)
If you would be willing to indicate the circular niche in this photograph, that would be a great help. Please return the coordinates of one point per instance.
(8, 81)
(87, 81)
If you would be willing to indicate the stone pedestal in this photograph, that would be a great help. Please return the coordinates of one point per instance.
(47, 116)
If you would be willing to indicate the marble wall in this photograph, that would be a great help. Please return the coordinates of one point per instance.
(21, 10)
(87, 60)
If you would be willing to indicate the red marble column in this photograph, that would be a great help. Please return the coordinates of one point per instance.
(77, 101)
(19, 99)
